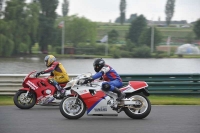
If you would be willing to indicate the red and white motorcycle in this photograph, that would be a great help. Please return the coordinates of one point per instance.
(89, 97)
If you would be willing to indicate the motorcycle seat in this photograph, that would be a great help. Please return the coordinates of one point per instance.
(63, 84)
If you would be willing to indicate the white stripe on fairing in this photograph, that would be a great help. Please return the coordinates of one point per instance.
(31, 86)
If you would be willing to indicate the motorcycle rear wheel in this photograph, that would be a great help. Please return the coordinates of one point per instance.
(23, 102)
(139, 111)
(72, 108)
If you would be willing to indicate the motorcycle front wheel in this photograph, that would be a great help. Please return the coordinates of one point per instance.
(24, 102)
(141, 110)
(72, 108)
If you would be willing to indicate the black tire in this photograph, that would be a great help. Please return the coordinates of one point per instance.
(142, 115)
(65, 112)
(23, 104)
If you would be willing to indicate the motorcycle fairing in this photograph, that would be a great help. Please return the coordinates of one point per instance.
(26, 89)
(138, 84)
(101, 108)
(39, 85)
(92, 104)
(43, 86)
(91, 99)
(96, 102)
(134, 86)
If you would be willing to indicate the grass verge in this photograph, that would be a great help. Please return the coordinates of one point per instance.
(154, 99)
(174, 100)
(6, 100)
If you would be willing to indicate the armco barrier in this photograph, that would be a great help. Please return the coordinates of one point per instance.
(10, 83)
(172, 84)
(175, 84)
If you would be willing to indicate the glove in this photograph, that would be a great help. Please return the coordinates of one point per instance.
(38, 74)
(89, 80)
(42, 72)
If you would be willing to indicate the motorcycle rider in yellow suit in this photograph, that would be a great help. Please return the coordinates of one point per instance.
(58, 73)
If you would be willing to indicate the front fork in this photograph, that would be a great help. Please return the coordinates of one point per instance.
(76, 96)
(26, 93)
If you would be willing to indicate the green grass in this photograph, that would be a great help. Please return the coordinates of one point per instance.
(154, 99)
(175, 100)
(6, 100)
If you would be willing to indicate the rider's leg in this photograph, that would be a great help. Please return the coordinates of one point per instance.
(59, 88)
(109, 86)
(119, 93)
(53, 82)
(115, 84)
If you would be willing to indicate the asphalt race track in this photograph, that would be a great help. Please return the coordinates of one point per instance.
(48, 119)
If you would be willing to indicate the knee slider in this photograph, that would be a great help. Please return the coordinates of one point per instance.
(106, 87)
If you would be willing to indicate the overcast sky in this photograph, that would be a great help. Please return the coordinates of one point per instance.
(105, 10)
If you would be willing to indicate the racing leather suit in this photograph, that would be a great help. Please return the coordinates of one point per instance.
(110, 75)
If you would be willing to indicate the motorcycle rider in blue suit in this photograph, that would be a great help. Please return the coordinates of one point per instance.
(107, 73)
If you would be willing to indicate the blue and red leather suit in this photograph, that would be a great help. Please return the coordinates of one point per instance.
(110, 75)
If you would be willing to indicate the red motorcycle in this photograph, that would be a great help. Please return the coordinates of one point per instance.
(35, 91)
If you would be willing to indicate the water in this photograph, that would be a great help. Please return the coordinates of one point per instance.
(25, 65)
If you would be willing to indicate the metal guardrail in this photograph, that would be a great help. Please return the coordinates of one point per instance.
(174, 84)
(10, 83)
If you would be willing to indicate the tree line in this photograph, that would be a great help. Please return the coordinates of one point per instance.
(169, 11)
(22, 25)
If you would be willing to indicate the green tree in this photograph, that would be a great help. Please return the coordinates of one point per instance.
(65, 7)
(142, 52)
(122, 11)
(33, 23)
(129, 20)
(196, 28)
(47, 19)
(137, 26)
(14, 13)
(113, 36)
(132, 17)
(129, 46)
(145, 37)
(6, 38)
(24, 18)
(1, 6)
(117, 20)
(80, 30)
(169, 10)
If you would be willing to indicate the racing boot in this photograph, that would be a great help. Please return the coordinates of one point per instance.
(119, 94)
(60, 92)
